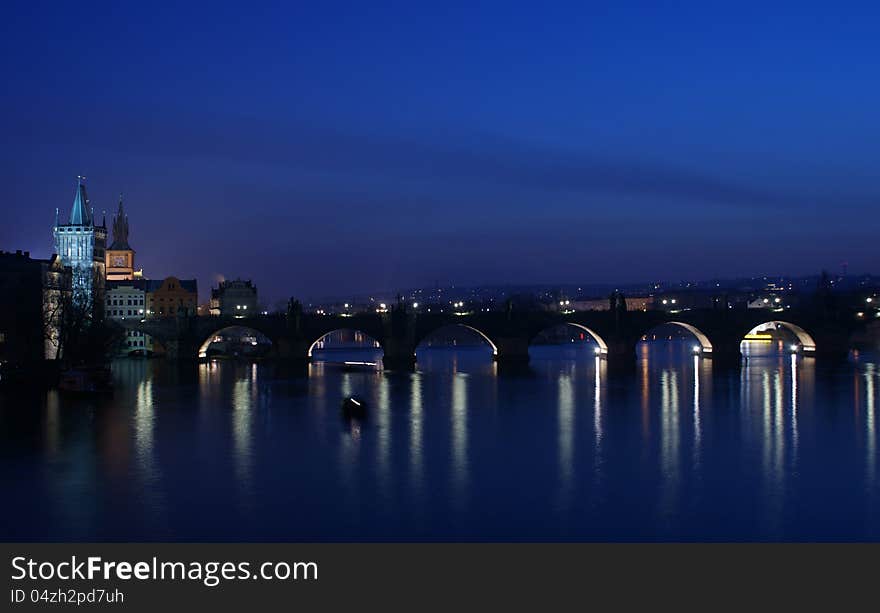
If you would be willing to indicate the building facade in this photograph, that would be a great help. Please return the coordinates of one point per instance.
(33, 296)
(81, 245)
(128, 300)
(171, 297)
(234, 299)
(120, 256)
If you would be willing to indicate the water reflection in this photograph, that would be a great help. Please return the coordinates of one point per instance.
(698, 427)
(565, 437)
(52, 424)
(600, 373)
(383, 434)
(416, 425)
(764, 382)
(144, 424)
(675, 449)
(684, 379)
(871, 374)
(148, 469)
(244, 399)
(669, 438)
(474, 360)
(459, 469)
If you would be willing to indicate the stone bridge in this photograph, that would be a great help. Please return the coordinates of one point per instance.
(716, 332)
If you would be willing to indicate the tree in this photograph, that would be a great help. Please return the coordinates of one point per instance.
(74, 323)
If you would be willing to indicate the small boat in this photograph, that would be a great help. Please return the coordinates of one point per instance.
(352, 406)
(88, 380)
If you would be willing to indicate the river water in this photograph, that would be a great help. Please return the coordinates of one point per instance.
(671, 448)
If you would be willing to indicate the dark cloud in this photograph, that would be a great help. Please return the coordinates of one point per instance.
(471, 159)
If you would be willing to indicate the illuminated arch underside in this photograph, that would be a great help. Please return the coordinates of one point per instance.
(472, 329)
(326, 334)
(702, 339)
(600, 342)
(203, 349)
(804, 339)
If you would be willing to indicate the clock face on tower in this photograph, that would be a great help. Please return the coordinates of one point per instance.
(117, 261)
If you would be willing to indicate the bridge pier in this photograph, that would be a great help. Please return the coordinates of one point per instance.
(399, 354)
(289, 349)
(512, 350)
(180, 350)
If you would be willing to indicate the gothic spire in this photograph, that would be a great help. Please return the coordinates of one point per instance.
(120, 229)
(79, 214)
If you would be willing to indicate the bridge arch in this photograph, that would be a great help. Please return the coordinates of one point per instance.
(804, 342)
(601, 345)
(705, 346)
(478, 332)
(217, 335)
(318, 342)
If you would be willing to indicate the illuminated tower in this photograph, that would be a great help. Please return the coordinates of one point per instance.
(80, 245)
(120, 255)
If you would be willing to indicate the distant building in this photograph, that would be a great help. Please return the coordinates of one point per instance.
(127, 300)
(234, 299)
(639, 303)
(633, 303)
(171, 297)
(33, 295)
(768, 301)
(81, 245)
(120, 255)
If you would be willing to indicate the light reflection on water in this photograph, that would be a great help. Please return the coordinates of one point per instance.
(673, 448)
(566, 437)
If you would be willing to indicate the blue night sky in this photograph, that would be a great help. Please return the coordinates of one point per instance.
(320, 148)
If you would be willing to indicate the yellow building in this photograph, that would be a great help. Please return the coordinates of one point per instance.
(172, 297)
